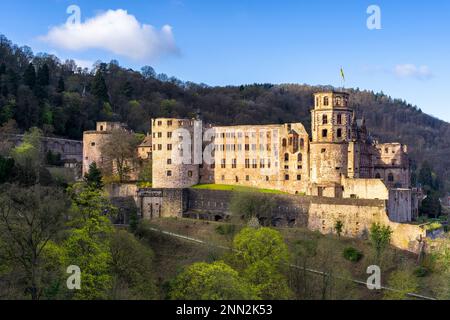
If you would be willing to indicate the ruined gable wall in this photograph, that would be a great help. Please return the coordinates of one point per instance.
(365, 189)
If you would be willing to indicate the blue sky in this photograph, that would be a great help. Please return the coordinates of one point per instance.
(236, 42)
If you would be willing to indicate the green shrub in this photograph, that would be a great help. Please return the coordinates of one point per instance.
(226, 229)
(352, 254)
(421, 272)
(433, 226)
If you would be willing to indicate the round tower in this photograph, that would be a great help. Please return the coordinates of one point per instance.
(174, 164)
(331, 130)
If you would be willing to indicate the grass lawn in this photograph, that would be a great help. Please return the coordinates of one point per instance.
(226, 187)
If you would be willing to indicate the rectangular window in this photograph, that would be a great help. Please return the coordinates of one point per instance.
(299, 177)
(169, 161)
(169, 173)
(190, 174)
(169, 147)
(159, 147)
(169, 135)
(247, 163)
(169, 123)
(223, 164)
(234, 164)
(159, 134)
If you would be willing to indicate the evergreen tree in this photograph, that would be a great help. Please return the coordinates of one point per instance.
(431, 205)
(29, 76)
(43, 76)
(94, 176)
(99, 88)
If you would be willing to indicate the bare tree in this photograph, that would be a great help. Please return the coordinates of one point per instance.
(120, 151)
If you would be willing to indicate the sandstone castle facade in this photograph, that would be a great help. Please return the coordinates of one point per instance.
(336, 173)
(338, 160)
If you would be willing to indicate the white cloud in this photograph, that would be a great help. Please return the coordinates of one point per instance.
(413, 71)
(84, 63)
(115, 31)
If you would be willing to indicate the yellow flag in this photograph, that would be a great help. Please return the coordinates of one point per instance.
(342, 74)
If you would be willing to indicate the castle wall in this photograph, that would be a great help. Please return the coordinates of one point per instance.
(315, 213)
(400, 206)
(122, 190)
(92, 145)
(156, 203)
(365, 189)
(328, 162)
(68, 149)
(392, 165)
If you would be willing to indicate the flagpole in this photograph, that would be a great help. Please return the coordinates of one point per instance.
(343, 79)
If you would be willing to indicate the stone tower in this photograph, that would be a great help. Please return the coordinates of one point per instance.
(93, 142)
(331, 120)
(175, 162)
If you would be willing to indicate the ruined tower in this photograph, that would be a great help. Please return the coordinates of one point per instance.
(173, 152)
(331, 130)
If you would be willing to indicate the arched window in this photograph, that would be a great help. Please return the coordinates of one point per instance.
(391, 177)
(284, 142)
(300, 157)
(339, 119)
(325, 101)
(286, 157)
(339, 133)
(302, 143)
(378, 176)
(324, 119)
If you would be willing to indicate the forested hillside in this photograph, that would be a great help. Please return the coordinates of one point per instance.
(64, 100)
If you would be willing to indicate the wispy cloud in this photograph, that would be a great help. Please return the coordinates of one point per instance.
(114, 31)
(412, 71)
